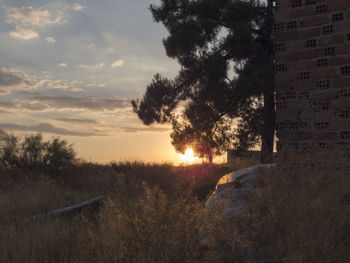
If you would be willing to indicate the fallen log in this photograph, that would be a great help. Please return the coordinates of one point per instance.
(70, 209)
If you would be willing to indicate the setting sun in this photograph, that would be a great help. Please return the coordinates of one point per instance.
(188, 157)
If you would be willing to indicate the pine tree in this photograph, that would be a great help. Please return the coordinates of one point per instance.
(225, 50)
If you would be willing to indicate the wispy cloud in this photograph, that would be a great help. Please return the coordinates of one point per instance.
(4, 112)
(12, 78)
(133, 129)
(47, 128)
(92, 67)
(77, 121)
(78, 7)
(23, 34)
(87, 103)
(50, 40)
(29, 16)
(117, 63)
(63, 65)
(8, 79)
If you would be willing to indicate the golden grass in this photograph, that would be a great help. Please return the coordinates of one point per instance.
(45, 241)
(303, 216)
(298, 216)
(168, 211)
(153, 227)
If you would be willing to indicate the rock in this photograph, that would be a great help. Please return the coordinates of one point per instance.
(232, 192)
(226, 224)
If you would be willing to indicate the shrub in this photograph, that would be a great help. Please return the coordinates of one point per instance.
(146, 225)
(34, 154)
(9, 149)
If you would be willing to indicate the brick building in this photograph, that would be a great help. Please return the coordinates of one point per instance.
(312, 44)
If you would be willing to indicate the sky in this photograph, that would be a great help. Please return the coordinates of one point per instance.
(71, 68)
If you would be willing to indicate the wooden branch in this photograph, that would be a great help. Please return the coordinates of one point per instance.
(69, 209)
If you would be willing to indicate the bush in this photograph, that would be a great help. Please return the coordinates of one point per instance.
(34, 154)
(9, 149)
(146, 225)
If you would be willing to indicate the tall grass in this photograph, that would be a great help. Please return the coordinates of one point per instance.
(41, 242)
(150, 213)
(295, 216)
(151, 226)
(153, 214)
(303, 216)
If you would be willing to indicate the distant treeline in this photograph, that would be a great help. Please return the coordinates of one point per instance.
(33, 153)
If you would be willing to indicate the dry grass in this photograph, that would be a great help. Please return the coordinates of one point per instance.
(149, 227)
(301, 217)
(158, 220)
(46, 241)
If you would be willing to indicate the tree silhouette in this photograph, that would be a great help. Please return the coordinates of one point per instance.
(34, 154)
(208, 136)
(225, 50)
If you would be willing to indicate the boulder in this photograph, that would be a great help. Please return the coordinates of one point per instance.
(232, 192)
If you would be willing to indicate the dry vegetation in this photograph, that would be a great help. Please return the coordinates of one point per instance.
(152, 214)
(300, 216)
(303, 216)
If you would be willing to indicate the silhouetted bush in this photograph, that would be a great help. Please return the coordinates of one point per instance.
(32, 153)
(9, 149)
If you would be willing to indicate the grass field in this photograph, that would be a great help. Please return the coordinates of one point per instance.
(156, 198)
(155, 213)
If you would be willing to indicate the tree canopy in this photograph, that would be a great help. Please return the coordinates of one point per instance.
(225, 51)
(34, 154)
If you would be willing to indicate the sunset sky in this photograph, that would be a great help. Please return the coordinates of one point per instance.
(70, 69)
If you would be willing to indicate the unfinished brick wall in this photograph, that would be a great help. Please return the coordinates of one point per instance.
(312, 45)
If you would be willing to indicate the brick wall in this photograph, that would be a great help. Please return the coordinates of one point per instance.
(312, 45)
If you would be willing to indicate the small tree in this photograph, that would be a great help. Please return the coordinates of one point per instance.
(32, 151)
(9, 149)
(58, 155)
(35, 154)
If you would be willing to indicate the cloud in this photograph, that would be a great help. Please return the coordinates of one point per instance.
(44, 103)
(31, 106)
(77, 121)
(4, 112)
(92, 67)
(8, 79)
(87, 103)
(50, 40)
(78, 7)
(46, 128)
(18, 79)
(29, 16)
(143, 129)
(63, 65)
(3, 92)
(23, 34)
(117, 63)
(8, 104)
(21, 106)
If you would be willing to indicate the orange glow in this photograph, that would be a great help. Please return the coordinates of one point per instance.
(188, 157)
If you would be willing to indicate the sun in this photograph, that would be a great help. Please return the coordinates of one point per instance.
(188, 157)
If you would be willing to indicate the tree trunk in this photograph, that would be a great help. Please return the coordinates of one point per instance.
(210, 159)
(269, 113)
(268, 129)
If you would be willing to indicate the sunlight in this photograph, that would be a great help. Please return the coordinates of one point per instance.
(188, 157)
